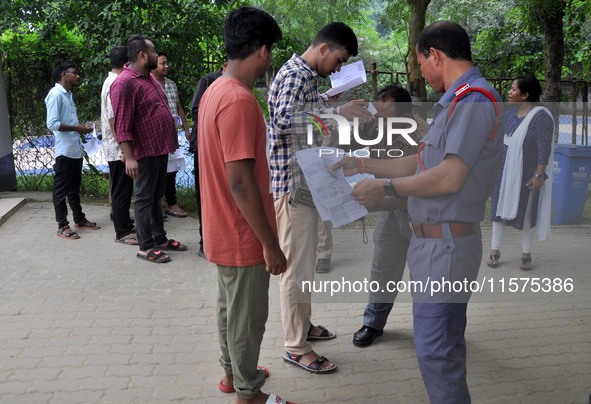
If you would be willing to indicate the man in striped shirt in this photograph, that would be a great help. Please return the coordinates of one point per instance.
(294, 87)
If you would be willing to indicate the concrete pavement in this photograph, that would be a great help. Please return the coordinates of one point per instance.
(84, 321)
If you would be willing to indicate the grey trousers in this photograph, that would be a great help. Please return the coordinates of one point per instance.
(242, 311)
(391, 240)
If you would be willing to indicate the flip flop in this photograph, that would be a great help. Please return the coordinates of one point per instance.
(176, 214)
(127, 240)
(173, 245)
(86, 224)
(314, 367)
(67, 233)
(324, 335)
(230, 389)
(155, 256)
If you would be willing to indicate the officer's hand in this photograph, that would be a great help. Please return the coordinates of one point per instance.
(369, 192)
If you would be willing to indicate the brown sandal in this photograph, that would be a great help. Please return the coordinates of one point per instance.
(493, 259)
(67, 233)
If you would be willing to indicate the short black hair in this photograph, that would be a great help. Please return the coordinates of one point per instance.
(400, 95)
(135, 45)
(448, 37)
(60, 68)
(159, 53)
(337, 35)
(118, 57)
(530, 85)
(246, 29)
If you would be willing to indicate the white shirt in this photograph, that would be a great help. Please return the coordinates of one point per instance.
(61, 110)
(110, 146)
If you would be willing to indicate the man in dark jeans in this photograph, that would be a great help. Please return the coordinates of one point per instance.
(146, 133)
(62, 120)
(202, 85)
(121, 184)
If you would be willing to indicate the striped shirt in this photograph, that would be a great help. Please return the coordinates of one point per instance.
(142, 116)
(172, 95)
(296, 84)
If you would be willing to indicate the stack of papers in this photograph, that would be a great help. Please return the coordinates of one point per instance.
(331, 190)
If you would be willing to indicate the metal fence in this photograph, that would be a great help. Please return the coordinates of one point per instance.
(574, 120)
(34, 155)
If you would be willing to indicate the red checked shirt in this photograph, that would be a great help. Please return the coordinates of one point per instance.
(142, 116)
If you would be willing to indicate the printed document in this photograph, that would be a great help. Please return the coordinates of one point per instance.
(350, 76)
(331, 191)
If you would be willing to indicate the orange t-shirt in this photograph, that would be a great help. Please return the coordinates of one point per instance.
(231, 127)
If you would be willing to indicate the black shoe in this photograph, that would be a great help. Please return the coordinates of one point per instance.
(201, 253)
(365, 336)
(322, 266)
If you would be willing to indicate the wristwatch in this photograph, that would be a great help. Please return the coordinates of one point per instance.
(389, 189)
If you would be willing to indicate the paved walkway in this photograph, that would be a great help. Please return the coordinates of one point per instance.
(86, 322)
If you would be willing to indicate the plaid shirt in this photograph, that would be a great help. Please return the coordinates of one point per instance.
(295, 85)
(142, 116)
(172, 94)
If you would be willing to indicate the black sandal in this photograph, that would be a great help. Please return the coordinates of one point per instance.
(67, 233)
(525, 263)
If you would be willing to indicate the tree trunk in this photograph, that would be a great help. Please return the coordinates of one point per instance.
(551, 21)
(416, 83)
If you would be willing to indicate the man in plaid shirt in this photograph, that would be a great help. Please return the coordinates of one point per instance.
(294, 88)
(176, 109)
(146, 133)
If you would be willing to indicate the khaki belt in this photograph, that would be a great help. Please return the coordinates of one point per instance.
(433, 230)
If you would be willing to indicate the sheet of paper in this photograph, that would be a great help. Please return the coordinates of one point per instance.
(330, 190)
(354, 179)
(350, 76)
(92, 146)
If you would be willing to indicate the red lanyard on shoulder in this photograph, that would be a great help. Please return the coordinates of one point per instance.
(460, 92)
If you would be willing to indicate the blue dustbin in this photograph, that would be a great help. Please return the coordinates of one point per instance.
(570, 183)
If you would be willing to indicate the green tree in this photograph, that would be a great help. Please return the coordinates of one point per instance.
(416, 23)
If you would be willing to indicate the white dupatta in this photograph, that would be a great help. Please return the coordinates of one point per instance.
(512, 177)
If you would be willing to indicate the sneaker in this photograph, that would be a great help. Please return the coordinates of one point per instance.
(322, 266)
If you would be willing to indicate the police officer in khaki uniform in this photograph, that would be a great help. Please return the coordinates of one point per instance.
(447, 188)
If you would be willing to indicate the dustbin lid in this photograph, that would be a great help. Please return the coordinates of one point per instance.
(572, 150)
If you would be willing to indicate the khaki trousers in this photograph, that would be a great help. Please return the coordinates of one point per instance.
(242, 310)
(324, 248)
(298, 237)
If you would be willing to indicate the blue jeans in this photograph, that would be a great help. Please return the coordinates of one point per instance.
(149, 190)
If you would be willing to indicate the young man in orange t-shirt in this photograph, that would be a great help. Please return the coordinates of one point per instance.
(240, 232)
